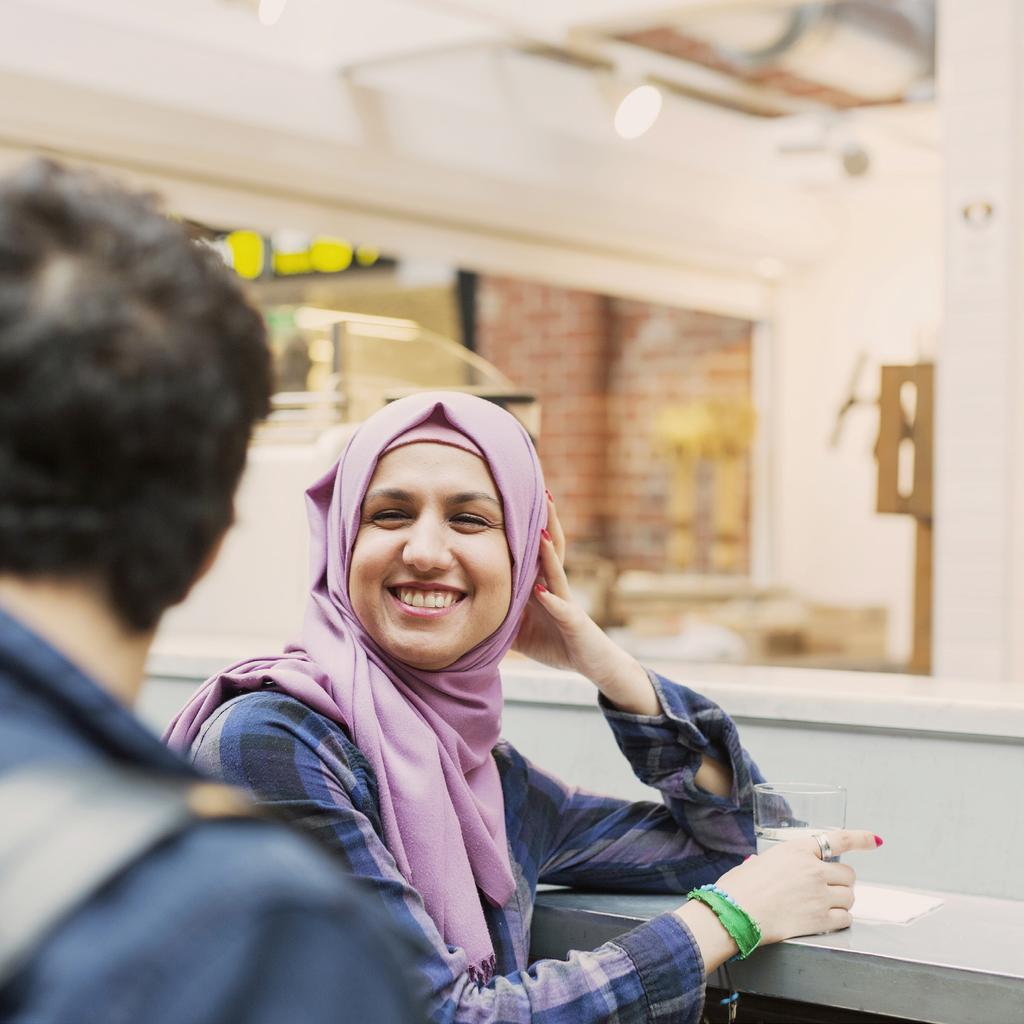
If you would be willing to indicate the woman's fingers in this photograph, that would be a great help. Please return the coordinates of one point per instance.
(555, 528)
(551, 566)
(841, 896)
(839, 874)
(837, 919)
(557, 607)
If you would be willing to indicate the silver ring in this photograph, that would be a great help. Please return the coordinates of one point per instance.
(824, 846)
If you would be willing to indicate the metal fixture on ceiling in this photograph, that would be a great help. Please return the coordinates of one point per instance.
(841, 54)
(851, 157)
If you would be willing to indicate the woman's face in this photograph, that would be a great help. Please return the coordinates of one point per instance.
(431, 574)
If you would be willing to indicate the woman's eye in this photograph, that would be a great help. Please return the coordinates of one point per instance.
(388, 516)
(465, 519)
(391, 518)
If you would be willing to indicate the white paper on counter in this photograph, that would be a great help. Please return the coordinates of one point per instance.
(891, 906)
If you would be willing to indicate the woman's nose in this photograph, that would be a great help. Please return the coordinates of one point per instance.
(427, 547)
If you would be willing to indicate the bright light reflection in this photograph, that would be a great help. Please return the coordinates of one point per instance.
(271, 11)
(638, 111)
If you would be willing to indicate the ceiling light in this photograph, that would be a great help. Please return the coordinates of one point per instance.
(637, 111)
(270, 11)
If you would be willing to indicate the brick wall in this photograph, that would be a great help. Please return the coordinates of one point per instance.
(661, 357)
(553, 342)
(603, 369)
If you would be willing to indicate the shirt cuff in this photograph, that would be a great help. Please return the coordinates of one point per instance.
(670, 966)
(665, 750)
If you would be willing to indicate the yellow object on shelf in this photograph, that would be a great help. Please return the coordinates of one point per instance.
(717, 432)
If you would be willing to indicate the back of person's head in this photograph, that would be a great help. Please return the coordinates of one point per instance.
(132, 371)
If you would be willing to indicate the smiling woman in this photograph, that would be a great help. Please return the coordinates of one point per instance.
(431, 575)
(436, 549)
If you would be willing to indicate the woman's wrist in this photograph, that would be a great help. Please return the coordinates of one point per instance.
(744, 929)
(625, 684)
(716, 945)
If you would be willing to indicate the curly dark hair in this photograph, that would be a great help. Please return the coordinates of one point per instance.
(132, 370)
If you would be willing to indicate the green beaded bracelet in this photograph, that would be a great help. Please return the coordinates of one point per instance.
(742, 928)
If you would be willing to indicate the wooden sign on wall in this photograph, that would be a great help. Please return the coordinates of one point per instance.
(904, 454)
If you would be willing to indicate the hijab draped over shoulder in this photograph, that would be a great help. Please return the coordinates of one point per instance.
(428, 735)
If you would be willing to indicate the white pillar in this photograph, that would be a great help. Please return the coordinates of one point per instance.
(979, 445)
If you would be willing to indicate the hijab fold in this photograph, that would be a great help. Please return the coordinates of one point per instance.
(428, 735)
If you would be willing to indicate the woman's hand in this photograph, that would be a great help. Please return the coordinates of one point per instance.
(555, 630)
(790, 891)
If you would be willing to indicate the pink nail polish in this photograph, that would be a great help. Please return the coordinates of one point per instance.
(879, 840)
(544, 533)
(540, 588)
(550, 496)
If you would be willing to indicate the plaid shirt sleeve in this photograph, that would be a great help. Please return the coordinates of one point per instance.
(691, 838)
(305, 767)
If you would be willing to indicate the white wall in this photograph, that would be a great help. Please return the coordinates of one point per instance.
(979, 485)
(880, 291)
(252, 599)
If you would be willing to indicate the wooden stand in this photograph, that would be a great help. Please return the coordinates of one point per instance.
(905, 433)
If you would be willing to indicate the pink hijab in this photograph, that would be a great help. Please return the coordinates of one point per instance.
(428, 735)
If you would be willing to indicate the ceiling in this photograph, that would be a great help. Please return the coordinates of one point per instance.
(468, 121)
(327, 34)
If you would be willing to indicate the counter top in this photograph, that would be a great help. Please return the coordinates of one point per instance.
(962, 963)
(869, 700)
(864, 700)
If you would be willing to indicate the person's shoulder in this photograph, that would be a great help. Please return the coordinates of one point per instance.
(316, 944)
(250, 873)
(271, 717)
(279, 749)
(234, 905)
(258, 865)
(269, 710)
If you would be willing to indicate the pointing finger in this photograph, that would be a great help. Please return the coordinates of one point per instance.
(843, 840)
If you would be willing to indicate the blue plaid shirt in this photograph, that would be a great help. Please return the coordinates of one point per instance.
(228, 922)
(307, 767)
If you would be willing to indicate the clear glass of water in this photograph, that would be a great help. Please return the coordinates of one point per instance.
(793, 810)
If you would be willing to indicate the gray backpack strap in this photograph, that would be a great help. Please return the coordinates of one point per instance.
(65, 832)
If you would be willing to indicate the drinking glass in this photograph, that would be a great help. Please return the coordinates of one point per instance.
(792, 810)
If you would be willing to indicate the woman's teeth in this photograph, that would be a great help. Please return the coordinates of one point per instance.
(428, 598)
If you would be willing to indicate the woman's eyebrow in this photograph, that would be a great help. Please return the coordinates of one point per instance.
(466, 497)
(463, 498)
(391, 493)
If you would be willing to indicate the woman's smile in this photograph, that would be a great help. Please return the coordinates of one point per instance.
(431, 573)
(429, 601)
